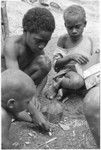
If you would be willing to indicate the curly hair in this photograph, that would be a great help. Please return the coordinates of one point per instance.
(74, 10)
(37, 19)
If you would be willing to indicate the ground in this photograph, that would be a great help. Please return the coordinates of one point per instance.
(77, 136)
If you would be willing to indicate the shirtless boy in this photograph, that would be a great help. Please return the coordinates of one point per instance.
(26, 52)
(72, 48)
(17, 90)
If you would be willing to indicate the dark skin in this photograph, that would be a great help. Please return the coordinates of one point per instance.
(25, 52)
(75, 29)
(92, 111)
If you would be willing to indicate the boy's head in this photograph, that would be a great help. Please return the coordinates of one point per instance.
(38, 19)
(75, 18)
(38, 25)
(17, 89)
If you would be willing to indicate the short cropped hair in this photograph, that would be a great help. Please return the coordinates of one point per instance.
(74, 10)
(14, 85)
(37, 19)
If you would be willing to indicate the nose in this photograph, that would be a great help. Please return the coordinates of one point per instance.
(74, 31)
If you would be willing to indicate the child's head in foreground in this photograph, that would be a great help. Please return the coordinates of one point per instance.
(17, 90)
(38, 19)
(75, 20)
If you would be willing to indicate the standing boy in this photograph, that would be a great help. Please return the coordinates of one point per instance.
(72, 48)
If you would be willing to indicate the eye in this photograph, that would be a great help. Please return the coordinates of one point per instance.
(28, 102)
(77, 26)
(69, 27)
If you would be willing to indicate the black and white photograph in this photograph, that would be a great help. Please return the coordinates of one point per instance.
(50, 74)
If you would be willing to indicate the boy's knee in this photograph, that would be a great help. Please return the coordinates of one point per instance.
(92, 112)
(77, 81)
(92, 102)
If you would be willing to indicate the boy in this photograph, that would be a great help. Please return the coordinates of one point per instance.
(72, 48)
(26, 52)
(17, 90)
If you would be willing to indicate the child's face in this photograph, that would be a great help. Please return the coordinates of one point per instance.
(21, 105)
(37, 41)
(75, 28)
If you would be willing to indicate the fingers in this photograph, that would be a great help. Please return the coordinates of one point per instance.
(82, 60)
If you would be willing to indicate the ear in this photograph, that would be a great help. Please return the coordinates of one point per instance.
(11, 103)
(85, 23)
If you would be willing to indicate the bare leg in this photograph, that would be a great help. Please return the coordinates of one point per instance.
(71, 80)
(38, 118)
(92, 112)
(53, 90)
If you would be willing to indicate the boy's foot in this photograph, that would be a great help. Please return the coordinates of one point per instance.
(51, 93)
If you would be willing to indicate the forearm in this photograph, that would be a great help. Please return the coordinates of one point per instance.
(35, 114)
(23, 116)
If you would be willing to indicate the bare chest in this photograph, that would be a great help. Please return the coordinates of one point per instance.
(24, 59)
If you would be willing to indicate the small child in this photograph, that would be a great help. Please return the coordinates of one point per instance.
(72, 48)
(17, 91)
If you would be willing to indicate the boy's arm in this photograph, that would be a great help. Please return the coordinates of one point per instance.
(37, 117)
(6, 122)
(10, 55)
(60, 63)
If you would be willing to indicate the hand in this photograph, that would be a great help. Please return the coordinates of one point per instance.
(79, 58)
(40, 121)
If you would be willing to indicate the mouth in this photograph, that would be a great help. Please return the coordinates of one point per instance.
(75, 36)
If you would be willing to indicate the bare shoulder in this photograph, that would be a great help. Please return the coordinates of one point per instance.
(12, 45)
(88, 39)
(5, 116)
(62, 39)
